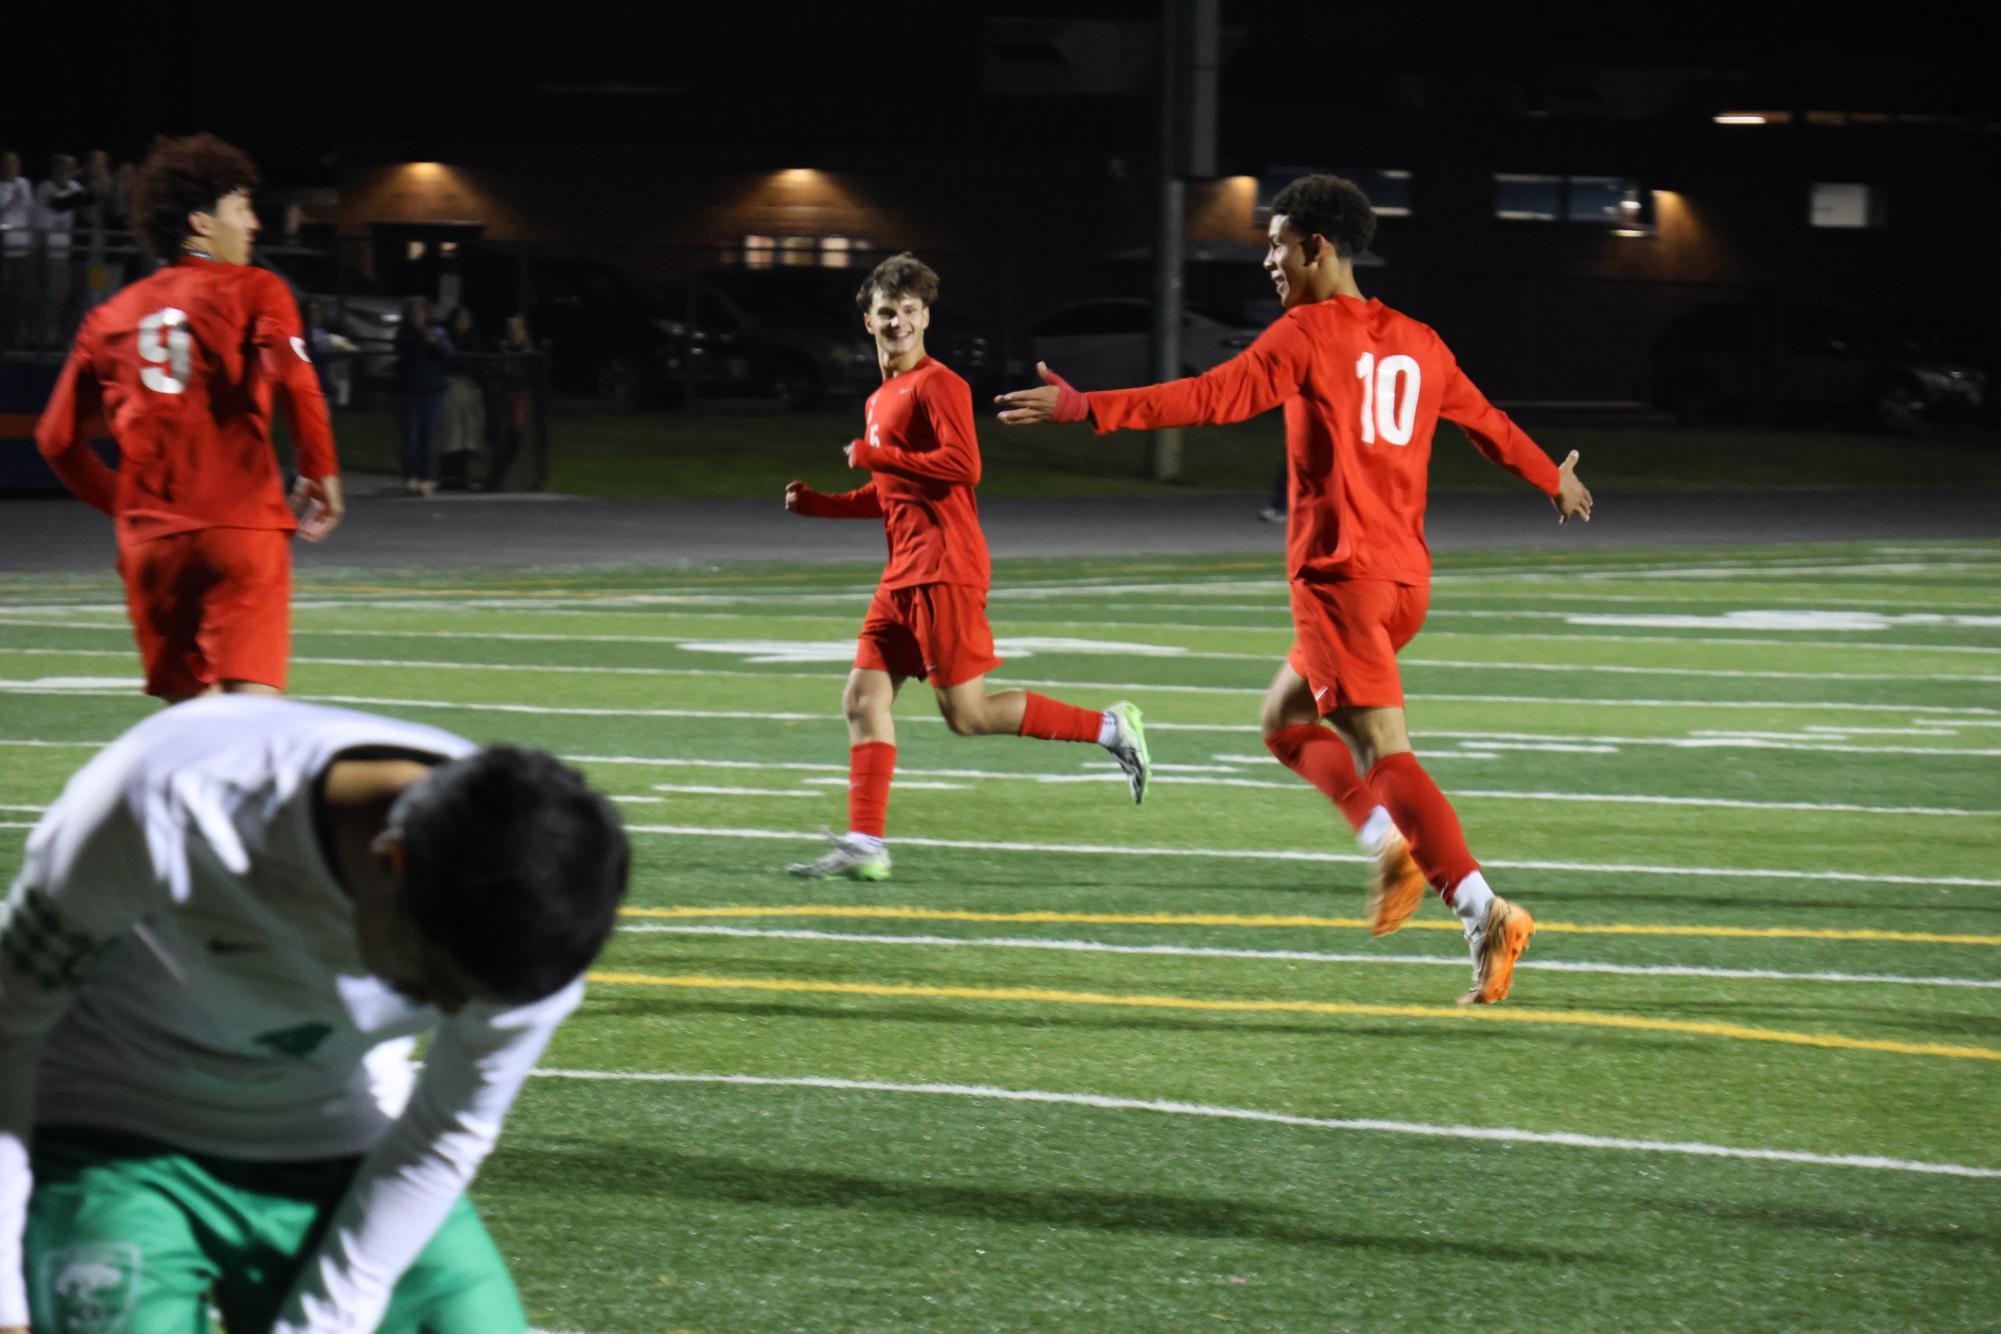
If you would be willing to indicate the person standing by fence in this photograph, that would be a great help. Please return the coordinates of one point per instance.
(17, 247)
(515, 397)
(422, 355)
(463, 433)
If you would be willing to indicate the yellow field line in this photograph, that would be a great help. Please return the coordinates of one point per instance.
(1259, 919)
(1046, 996)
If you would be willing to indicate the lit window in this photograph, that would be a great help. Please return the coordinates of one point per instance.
(1521, 197)
(1617, 203)
(757, 252)
(836, 252)
(1388, 188)
(1844, 204)
(797, 252)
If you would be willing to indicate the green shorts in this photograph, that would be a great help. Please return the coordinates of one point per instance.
(129, 1236)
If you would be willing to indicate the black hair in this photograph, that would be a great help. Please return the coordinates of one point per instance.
(899, 275)
(515, 866)
(1331, 207)
(183, 176)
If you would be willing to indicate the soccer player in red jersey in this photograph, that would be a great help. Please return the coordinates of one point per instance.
(182, 367)
(928, 617)
(1363, 388)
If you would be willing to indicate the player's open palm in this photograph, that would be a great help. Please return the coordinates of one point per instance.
(1572, 498)
(1056, 401)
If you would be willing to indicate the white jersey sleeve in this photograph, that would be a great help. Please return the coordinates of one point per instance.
(172, 925)
(88, 878)
(412, 1177)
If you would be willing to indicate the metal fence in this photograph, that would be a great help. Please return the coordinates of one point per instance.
(635, 328)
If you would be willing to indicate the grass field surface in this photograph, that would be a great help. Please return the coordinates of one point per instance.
(674, 455)
(1085, 1065)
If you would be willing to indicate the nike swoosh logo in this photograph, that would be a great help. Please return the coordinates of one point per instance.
(1322, 692)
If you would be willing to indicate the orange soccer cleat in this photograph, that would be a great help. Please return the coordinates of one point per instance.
(1498, 943)
(1396, 886)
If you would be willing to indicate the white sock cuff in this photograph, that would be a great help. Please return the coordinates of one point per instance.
(1375, 830)
(1470, 898)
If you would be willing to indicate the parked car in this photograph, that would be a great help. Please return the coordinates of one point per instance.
(794, 335)
(610, 334)
(360, 309)
(1108, 343)
(804, 332)
(1738, 362)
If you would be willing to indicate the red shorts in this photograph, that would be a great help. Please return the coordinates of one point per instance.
(936, 631)
(210, 605)
(1346, 633)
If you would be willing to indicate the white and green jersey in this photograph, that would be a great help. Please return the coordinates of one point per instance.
(177, 961)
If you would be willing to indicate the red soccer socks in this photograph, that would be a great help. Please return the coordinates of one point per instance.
(1320, 757)
(1053, 720)
(1426, 819)
(870, 767)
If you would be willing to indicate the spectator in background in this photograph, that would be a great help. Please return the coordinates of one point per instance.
(136, 262)
(17, 242)
(335, 371)
(463, 431)
(515, 398)
(422, 357)
(98, 223)
(57, 201)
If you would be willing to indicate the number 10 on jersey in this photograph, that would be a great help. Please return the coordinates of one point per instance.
(1389, 409)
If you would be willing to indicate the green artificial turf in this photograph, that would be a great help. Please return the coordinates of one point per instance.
(1084, 1065)
(676, 455)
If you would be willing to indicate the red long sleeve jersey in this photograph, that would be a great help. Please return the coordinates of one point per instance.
(1363, 389)
(182, 367)
(924, 461)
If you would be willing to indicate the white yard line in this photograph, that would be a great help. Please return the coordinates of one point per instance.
(1490, 1134)
(1296, 956)
(1294, 855)
(1298, 855)
(913, 778)
(1947, 712)
(768, 618)
(1174, 651)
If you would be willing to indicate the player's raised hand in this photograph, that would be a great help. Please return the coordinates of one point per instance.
(1572, 498)
(318, 503)
(795, 496)
(1055, 401)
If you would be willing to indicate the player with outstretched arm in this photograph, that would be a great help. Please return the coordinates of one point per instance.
(928, 617)
(182, 367)
(226, 936)
(1363, 388)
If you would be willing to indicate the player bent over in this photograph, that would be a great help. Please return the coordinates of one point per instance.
(1363, 388)
(226, 935)
(182, 367)
(928, 618)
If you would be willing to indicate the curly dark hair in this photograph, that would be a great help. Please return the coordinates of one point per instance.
(1331, 207)
(515, 866)
(900, 275)
(183, 176)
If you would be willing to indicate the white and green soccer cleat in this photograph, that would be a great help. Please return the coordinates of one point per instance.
(1129, 747)
(844, 861)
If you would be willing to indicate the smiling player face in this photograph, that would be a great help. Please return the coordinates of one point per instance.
(1286, 263)
(897, 323)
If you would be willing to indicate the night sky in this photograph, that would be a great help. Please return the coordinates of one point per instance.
(293, 87)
